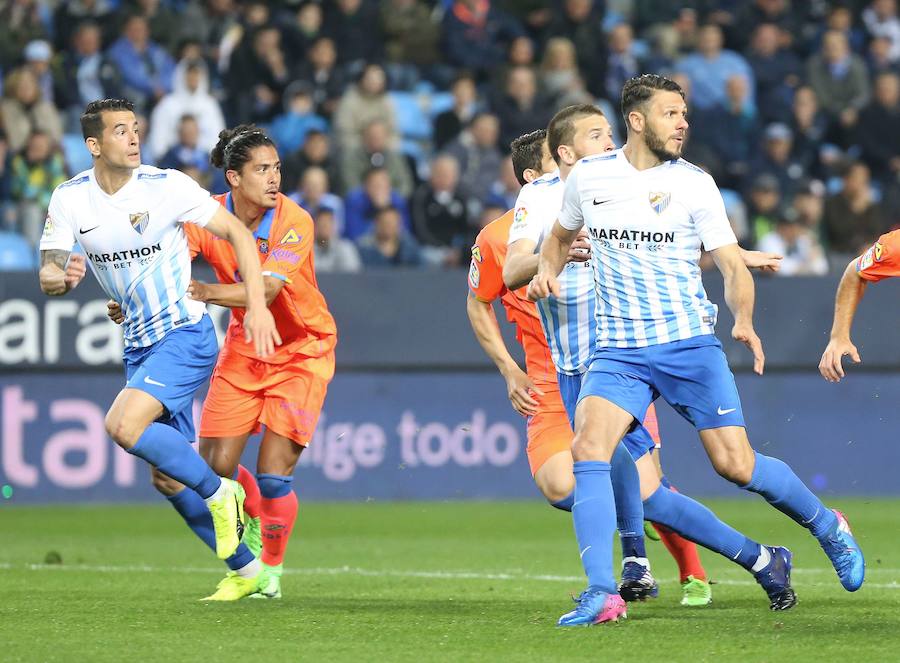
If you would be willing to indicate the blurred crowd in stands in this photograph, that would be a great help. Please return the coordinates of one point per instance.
(393, 117)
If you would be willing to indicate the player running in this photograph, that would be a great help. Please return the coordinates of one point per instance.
(647, 212)
(130, 218)
(575, 132)
(881, 261)
(283, 392)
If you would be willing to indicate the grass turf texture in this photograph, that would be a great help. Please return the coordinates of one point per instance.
(418, 581)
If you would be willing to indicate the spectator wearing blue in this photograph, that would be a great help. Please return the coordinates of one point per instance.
(84, 74)
(841, 83)
(363, 202)
(38, 55)
(146, 67)
(777, 72)
(710, 67)
(622, 62)
(878, 57)
(475, 35)
(731, 131)
(777, 159)
(289, 129)
(313, 192)
(388, 244)
(840, 19)
(187, 151)
(478, 156)
(332, 252)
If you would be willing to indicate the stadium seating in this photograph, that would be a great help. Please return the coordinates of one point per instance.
(76, 155)
(16, 254)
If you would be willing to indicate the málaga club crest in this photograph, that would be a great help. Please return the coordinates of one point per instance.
(139, 221)
(659, 201)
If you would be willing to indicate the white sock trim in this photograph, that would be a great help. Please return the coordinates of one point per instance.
(763, 560)
(643, 561)
(219, 494)
(249, 570)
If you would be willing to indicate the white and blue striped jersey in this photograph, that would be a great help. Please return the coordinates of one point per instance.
(646, 229)
(135, 244)
(568, 320)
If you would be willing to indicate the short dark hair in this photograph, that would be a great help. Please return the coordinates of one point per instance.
(527, 152)
(234, 146)
(92, 118)
(386, 209)
(640, 89)
(561, 130)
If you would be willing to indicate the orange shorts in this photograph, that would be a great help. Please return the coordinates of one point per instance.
(549, 432)
(246, 394)
(652, 425)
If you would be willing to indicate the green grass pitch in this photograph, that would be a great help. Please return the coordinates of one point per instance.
(462, 581)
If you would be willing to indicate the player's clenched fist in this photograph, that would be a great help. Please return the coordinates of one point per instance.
(259, 328)
(542, 285)
(75, 270)
(745, 334)
(830, 366)
(114, 312)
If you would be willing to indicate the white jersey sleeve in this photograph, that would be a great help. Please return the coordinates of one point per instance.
(536, 209)
(193, 203)
(571, 217)
(58, 232)
(709, 216)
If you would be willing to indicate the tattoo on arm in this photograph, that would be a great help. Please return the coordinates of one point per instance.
(56, 257)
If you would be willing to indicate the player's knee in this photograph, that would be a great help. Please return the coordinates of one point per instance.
(735, 467)
(557, 487)
(122, 431)
(589, 447)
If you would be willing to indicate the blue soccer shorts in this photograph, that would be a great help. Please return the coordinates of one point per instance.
(173, 369)
(691, 375)
(638, 441)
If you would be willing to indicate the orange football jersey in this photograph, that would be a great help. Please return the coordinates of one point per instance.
(284, 239)
(882, 260)
(486, 284)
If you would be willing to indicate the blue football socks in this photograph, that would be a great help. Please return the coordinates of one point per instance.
(626, 485)
(168, 450)
(595, 519)
(193, 509)
(697, 523)
(781, 488)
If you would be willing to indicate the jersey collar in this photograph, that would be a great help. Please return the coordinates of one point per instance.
(265, 225)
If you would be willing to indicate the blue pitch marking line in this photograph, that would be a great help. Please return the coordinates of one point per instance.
(436, 575)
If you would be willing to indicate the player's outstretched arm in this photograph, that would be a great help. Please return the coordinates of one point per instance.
(60, 271)
(232, 295)
(761, 260)
(551, 261)
(849, 293)
(739, 295)
(519, 386)
(259, 325)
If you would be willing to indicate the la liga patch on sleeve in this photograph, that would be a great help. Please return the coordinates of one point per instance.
(868, 258)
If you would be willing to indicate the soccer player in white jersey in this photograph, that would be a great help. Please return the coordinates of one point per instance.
(647, 213)
(128, 218)
(576, 132)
